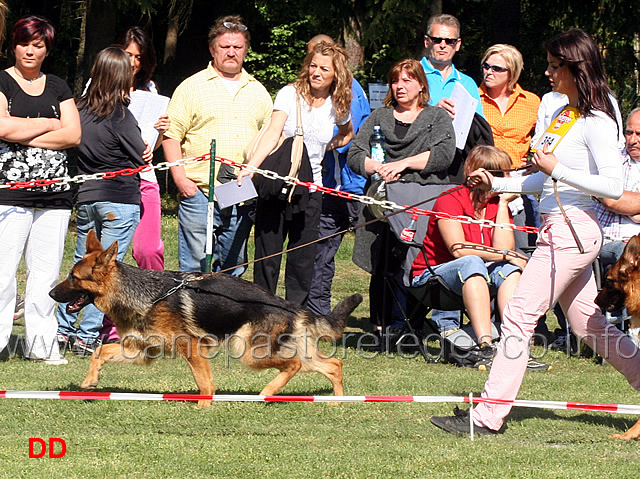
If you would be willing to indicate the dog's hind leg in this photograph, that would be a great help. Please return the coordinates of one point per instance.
(631, 434)
(288, 368)
(109, 353)
(201, 369)
(332, 369)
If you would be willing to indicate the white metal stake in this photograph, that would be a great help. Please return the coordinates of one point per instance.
(471, 415)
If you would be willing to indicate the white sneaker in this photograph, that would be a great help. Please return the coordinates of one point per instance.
(54, 360)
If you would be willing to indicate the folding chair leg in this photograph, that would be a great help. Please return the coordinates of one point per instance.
(408, 327)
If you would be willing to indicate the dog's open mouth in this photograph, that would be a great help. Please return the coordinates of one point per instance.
(610, 300)
(78, 303)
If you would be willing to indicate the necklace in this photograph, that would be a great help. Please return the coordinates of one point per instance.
(29, 80)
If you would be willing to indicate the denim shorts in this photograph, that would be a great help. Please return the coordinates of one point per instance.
(457, 271)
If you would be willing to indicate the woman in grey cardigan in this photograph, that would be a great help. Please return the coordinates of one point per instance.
(420, 147)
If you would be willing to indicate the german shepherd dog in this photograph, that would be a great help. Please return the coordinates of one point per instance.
(261, 329)
(622, 288)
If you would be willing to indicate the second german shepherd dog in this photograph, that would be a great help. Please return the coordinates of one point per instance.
(622, 288)
(261, 329)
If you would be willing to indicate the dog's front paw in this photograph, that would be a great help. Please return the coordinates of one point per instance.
(625, 437)
(89, 384)
(204, 403)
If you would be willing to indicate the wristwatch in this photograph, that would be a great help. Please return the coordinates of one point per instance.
(504, 252)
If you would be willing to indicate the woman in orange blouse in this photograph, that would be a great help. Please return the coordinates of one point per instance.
(510, 110)
(512, 113)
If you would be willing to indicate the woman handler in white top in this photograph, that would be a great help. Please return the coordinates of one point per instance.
(585, 162)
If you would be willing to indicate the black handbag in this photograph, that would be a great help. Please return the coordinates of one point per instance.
(280, 163)
(289, 159)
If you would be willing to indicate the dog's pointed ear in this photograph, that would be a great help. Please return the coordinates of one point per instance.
(92, 242)
(631, 254)
(110, 255)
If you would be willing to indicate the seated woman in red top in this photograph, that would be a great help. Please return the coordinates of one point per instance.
(474, 261)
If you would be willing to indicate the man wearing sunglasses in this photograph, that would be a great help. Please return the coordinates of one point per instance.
(442, 41)
(225, 103)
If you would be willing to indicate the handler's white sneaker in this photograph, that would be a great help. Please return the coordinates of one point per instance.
(58, 360)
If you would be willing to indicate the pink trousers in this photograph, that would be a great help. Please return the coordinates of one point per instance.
(148, 248)
(557, 271)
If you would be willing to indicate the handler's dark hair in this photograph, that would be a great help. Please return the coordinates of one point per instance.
(111, 80)
(577, 50)
(148, 59)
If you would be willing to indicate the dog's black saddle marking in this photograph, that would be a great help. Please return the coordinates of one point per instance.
(181, 284)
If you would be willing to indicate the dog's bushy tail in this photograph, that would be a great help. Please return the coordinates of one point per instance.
(333, 325)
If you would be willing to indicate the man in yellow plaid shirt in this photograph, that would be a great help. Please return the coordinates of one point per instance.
(225, 103)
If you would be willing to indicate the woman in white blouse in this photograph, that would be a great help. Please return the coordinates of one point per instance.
(324, 88)
(585, 162)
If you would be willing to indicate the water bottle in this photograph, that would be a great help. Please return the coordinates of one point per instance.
(409, 233)
(376, 142)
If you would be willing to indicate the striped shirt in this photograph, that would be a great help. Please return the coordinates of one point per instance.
(512, 131)
(202, 109)
(615, 226)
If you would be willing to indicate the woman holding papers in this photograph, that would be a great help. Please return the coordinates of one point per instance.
(148, 249)
(576, 158)
(111, 141)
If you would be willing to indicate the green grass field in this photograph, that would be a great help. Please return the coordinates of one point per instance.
(136, 439)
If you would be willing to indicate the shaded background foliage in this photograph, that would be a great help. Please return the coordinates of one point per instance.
(377, 33)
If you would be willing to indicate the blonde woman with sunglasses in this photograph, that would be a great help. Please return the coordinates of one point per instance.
(510, 110)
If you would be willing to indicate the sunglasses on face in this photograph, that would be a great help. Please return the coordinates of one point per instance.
(494, 68)
(239, 26)
(438, 40)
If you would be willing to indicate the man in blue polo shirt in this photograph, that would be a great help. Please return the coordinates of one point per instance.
(442, 41)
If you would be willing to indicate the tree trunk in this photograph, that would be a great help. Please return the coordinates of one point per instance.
(636, 53)
(352, 45)
(436, 7)
(78, 82)
(97, 31)
(171, 41)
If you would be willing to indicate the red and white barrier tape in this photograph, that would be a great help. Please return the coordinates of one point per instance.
(385, 204)
(92, 396)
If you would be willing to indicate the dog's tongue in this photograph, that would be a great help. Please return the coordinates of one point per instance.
(77, 305)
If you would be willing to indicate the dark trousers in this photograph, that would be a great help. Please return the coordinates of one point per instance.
(274, 224)
(337, 214)
(383, 308)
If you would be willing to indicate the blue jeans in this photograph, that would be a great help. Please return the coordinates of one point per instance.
(231, 228)
(111, 222)
(455, 273)
(609, 255)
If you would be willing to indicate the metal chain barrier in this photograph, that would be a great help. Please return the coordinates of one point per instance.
(386, 204)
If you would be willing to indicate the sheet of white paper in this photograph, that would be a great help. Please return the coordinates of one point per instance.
(230, 193)
(465, 106)
(147, 107)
